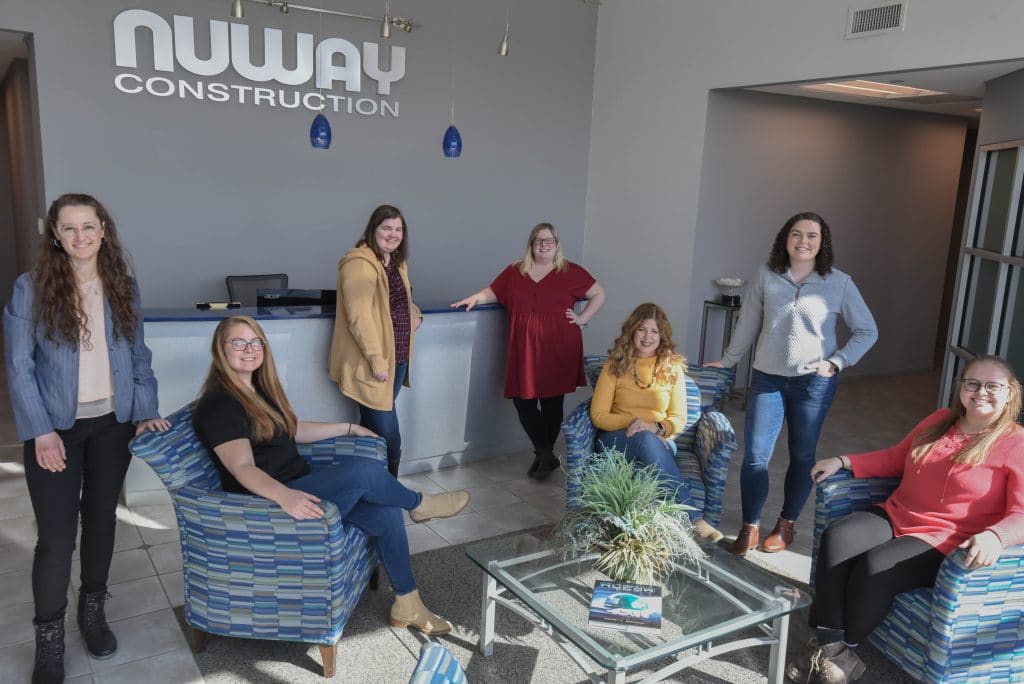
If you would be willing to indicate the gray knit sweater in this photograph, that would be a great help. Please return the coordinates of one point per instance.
(795, 324)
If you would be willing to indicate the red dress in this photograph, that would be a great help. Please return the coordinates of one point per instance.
(545, 350)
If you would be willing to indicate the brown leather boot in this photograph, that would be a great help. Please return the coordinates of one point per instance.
(747, 539)
(780, 537)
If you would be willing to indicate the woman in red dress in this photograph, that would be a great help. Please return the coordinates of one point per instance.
(545, 345)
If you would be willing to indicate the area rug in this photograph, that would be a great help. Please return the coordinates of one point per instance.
(451, 584)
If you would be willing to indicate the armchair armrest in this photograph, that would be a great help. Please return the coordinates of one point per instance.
(975, 611)
(328, 452)
(714, 443)
(214, 515)
(580, 435)
(842, 494)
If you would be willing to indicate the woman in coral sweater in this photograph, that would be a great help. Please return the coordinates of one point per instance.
(962, 486)
(639, 402)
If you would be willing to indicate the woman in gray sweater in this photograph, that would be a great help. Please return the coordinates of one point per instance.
(791, 311)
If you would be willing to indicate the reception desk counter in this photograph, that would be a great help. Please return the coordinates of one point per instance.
(453, 413)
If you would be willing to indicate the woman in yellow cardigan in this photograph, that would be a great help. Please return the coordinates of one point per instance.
(639, 402)
(374, 325)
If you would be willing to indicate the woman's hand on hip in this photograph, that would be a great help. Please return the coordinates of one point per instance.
(152, 425)
(300, 505)
(826, 468)
(983, 549)
(824, 369)
(574, 318)
(50, 452)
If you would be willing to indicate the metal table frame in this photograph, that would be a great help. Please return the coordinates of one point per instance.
(775, 631)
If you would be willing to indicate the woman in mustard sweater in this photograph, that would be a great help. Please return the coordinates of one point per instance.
(376, 321)
(639, 402)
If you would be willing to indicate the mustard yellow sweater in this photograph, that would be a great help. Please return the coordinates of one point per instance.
(617, 400)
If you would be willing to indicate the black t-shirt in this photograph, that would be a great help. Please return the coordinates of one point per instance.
(219, 417)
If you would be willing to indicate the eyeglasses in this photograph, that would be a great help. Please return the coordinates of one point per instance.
(238, 344)
(972, 385)
(544, 241)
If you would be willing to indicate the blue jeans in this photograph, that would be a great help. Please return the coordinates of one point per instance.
(385, 423)
(803, 402)
(646, 448)
(370, 498)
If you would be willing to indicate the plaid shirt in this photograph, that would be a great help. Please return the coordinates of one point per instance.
(400, 320)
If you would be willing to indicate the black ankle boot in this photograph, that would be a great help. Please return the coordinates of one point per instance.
(92, 621)
(548, 463)
(536, 463)
(49, 666)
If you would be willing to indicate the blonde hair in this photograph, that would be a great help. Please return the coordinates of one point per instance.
(561, 263)
(976, 449)
(669, 364)
(267, 415)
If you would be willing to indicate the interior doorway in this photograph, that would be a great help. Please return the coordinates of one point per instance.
(21, 185)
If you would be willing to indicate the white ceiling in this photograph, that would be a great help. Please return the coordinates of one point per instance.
(12, 46)
(967, 81)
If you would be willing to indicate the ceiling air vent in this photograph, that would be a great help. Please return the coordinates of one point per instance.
(873, 20)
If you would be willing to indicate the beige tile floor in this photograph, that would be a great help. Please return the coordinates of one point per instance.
(146, 578)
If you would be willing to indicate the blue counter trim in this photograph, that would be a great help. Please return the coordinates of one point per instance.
(267, 313)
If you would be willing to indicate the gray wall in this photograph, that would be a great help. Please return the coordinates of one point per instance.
(1002, 117)
(201, 189)
(884, 179)
(655, 62)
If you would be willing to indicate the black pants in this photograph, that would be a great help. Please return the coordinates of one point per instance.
(541, 418)
(97, 460)
(861, 568)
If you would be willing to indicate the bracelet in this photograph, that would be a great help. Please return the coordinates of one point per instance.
(846, 462)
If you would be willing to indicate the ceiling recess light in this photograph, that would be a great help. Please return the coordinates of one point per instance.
(874, 89)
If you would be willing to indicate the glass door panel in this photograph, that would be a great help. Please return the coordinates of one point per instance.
(1011, 347)
(980, 307)
(1000, 172)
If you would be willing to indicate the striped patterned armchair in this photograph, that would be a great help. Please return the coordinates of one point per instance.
(968, 628)
(703, 448)
(250, 569)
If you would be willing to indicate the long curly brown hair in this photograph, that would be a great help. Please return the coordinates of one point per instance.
(778, 259)
(58, 304)
(622, 355)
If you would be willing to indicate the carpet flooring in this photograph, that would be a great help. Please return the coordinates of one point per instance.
(371, 651)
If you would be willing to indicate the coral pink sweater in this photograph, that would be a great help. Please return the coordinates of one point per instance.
(943, 502)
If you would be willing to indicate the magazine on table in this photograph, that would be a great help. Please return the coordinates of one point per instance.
(626, 606)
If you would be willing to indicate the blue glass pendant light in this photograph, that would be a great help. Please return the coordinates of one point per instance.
(452, 142)
(320, 133)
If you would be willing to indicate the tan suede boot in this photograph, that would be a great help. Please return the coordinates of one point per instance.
(705, 533)
(408, 611)
(440, 506)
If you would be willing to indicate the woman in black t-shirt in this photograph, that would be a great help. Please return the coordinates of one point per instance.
(244, 417)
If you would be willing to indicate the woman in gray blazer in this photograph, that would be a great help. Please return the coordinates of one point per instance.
(81, 387)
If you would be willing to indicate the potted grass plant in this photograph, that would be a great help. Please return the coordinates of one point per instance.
(629, 518)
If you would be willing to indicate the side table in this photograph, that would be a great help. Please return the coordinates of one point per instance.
(731, 312)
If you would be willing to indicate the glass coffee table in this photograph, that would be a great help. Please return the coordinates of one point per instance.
(720, 604)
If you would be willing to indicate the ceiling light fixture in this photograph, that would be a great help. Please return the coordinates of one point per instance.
(503, 45)
(385, 24)
(397, 23)
(863, 88)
